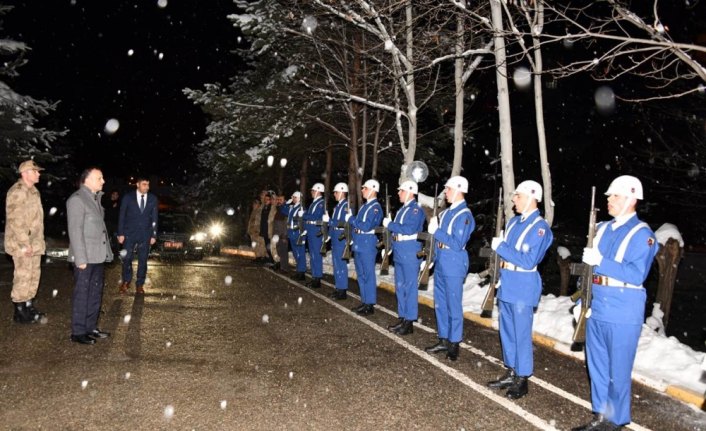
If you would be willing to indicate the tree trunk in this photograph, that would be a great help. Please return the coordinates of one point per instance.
(458, 83)
(668, 258)
(503, 106)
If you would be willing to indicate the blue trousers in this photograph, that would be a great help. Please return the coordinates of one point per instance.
(610, 354)
(365, 252)
(340, 266)
(298, 251)
(86, 298)
(406, 289)
(448, 306)
(143, 251)
(313, 242)
(516, 336)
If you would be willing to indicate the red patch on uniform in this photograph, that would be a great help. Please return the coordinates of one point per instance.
(650, 242)
(540, 232)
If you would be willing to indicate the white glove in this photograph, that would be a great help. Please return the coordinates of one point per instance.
(386, 221)
(591, 256)
(325, 218)
(576, 311)
(275, 239)
(433, 225)
(348, 216)
(300, 213)
(495, 243)
(288, 202)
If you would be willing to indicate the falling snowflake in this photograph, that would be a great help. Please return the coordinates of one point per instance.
(112, 126)
(168, 412)
(229, 280)
(265, 318)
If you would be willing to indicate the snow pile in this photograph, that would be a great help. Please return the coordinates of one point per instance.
(667, 231)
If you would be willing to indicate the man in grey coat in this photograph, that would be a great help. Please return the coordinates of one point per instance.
(89, 249)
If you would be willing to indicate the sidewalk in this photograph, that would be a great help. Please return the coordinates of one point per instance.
(472, 299)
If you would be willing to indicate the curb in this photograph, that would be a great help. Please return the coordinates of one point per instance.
(682, 394)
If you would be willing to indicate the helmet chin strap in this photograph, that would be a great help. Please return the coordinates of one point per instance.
(453, 196)
(524, 210)
(628, 202)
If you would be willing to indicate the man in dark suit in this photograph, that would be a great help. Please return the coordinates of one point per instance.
(89, 249)
(137, 228)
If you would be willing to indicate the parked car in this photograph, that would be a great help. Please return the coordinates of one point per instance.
(176, 238)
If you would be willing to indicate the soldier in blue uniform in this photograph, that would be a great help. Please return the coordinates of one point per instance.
(340, 265)
(622, 254)
(527, 238)
(364, 246)
(312, 222)
(291, 209)
(408, 221)
(451, 232)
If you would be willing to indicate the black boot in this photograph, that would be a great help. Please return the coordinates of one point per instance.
(599, 423)
(452, 353)
(367, 310)
(276, 266)
(503, 382)
(300, 276)
(406, 328)
(315, 283)
(518, 389)
(22, 315)
(339, 294)
(395, 326)
(441, 346)
(36, 314)
(358, 308)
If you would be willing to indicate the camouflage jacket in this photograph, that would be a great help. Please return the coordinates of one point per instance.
(24, 224)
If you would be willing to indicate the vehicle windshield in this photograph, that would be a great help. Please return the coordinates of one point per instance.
(175, 223)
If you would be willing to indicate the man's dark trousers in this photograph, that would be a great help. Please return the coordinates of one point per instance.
(143, 251)
(86, 299)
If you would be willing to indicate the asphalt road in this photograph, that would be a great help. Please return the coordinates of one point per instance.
(265, 353)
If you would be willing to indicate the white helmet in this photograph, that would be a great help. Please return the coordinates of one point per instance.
(625, 185)
(531, 189)
(341, 187)
(318, 187)
(297, 195)
(458, 183)
(409, 186)
(372, 185)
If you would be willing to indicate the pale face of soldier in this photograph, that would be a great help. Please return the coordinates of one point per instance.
(523, 203)
(94, 181)
(405, 195)
(339, 195)
(620, 205)
(31, 176)
(143, 186)
(368, 193)
(295, 199)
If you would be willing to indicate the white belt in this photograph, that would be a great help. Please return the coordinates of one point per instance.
(360, 232)
(603, 280)
(513, 267)
(311, 222)
(405, 237)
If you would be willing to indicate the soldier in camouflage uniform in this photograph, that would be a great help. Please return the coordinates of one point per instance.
(24, 240)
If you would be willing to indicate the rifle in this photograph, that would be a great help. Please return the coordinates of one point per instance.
(494, 263)
(302, 231)
(323, 232)
(427, 250)
(585, 291)
(346, 235)
(386, 241)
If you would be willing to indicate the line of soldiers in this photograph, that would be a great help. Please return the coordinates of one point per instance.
(621, 257)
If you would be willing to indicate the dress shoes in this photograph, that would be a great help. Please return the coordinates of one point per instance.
(441, 346)
(406, 328)
(339, 294)
(503, 382)
(599, 423)
(366, 310)
(124, 287)
(139, 290)
(395, 326)
(83, 339)
(518, 389)
(97, 333)
(452, 352)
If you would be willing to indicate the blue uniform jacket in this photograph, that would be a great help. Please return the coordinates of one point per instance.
(455, 227)
(312, 214)
(338, 216)
(368, 218)
(290, 210)
(409, 220)
(621, 304)
(518, 286)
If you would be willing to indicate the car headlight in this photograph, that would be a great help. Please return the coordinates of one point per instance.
(198, 236)
(216, 230)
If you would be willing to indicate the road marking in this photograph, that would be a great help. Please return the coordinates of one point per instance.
(452, 371)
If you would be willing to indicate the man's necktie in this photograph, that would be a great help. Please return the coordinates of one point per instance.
(142, 203)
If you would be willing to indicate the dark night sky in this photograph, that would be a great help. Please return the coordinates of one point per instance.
(80, 57)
